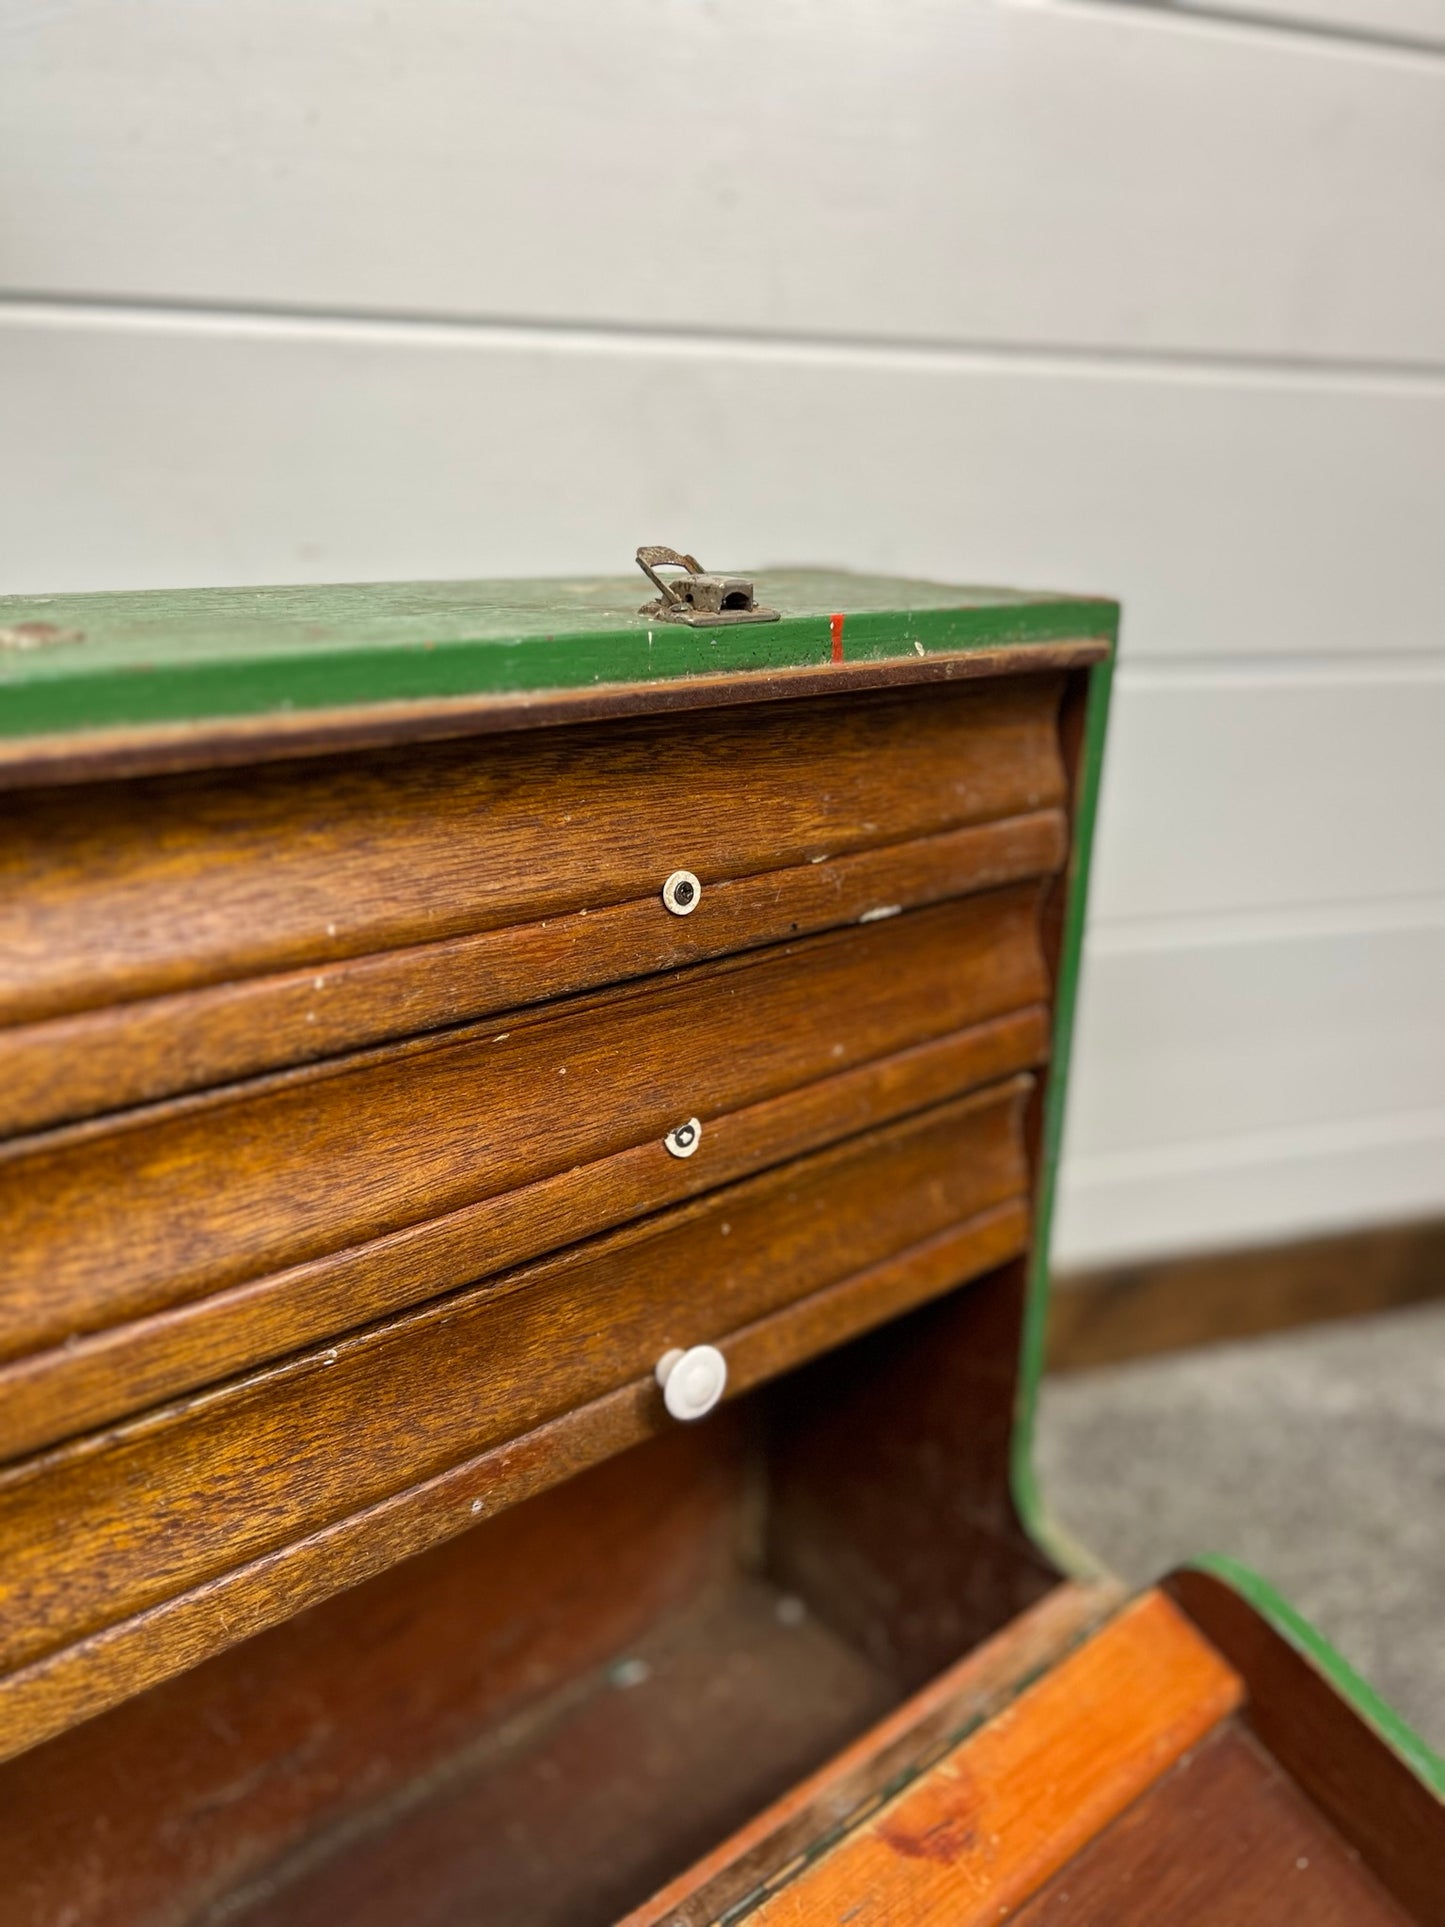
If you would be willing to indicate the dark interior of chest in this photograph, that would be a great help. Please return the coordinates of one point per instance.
(551, 1715)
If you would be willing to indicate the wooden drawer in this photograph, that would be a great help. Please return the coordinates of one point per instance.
(300, 1206)
(212, 927)
(772, 1269)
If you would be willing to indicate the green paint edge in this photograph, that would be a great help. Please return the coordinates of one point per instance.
(1403, 1741)
(1045, 1531)
(51, 695)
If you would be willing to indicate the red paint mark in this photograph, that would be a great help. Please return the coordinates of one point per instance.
(835, 624)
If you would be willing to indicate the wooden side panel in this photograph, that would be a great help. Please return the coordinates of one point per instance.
(117, 1522)
(104, 1222)
(892, 1512)
(1225, 1837)
(1391, 1819)
(194, 880)
(995, 1818)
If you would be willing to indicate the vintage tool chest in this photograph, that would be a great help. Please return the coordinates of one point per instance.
(528, 1132)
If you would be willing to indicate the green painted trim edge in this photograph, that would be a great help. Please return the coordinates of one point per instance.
(1422, 1760)
(118, 685)
(1047, 1534)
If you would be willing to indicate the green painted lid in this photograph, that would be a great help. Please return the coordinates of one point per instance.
(70, 662)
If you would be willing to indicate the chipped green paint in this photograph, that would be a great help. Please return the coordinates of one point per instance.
(184, 655)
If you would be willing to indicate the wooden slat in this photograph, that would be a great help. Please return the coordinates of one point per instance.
(87, 1381)
(103, 1060)
(1225, 1837)
(992, 1821)
(111, 1665)
(118, 1521)
(838, 1794)
(195, 880)
(105, 1222)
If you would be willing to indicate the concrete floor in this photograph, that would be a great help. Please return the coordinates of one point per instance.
(1317, 1458)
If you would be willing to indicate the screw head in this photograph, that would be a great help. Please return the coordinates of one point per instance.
(684, 1139)
(682, 893)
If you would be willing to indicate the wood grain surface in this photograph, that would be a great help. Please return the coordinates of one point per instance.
(1390, 1818)
(104, 1060)
(893, 1511)
(988, 1825)
(121, 1660)
(1225, 1837)
(114, 1522)
(859, 1778)
(143, 1817)
(105, 1222)
(87, 1381)
(192, 880)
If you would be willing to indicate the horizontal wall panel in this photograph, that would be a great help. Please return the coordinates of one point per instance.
(1248, 1190)
(1237, 789)
(1235, 514)
(1413, 24)
(975, 170)
(1208, 1039)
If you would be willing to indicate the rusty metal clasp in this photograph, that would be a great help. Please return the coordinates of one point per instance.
(701, 600)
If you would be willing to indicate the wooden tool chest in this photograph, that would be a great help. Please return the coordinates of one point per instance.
(528, 1134)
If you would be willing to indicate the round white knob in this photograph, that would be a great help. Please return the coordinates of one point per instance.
(682, 893)
(684, 1140)
(692, 1381)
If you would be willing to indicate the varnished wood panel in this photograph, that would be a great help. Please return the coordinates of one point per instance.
(154, 1644)
(105, 1222)
(893, 1508)
(106, 1059)
(88, 1380)
(1225, 1837)
(864, 1774)
(984, 1829)
(1392, 1820)
(194, 880)
(118, 1521)
(147, 1815)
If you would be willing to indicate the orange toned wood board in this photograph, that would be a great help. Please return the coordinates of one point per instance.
(986, 1827)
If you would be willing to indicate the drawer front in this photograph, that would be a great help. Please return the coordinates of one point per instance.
(192, 880)
(113, 1222)
(204, 928)
(113, 1523)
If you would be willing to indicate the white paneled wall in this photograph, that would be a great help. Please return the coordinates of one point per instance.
(1081, 295)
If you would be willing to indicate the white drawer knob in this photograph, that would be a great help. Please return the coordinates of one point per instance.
(682, 893)
(692, 1381)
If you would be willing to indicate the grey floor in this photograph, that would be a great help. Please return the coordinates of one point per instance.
(1317, 1458)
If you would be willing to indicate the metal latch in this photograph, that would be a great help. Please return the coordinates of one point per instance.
(704, 601)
